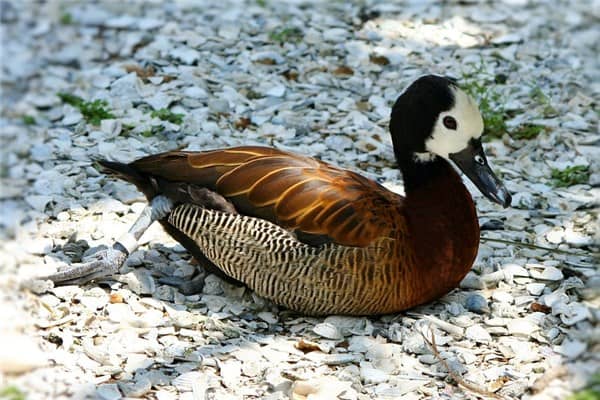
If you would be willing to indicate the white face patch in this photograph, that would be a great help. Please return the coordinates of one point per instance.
(469, 124)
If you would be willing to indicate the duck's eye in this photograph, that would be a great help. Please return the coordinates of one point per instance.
(479, 160)
(450, 123)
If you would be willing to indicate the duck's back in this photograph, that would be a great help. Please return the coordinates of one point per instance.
(307, 235)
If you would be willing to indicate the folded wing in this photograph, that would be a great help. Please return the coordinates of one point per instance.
(317, 201)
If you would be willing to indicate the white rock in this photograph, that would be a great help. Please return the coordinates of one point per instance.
(327, 331)
(218, 106)
(109, 391)
(137, 361)
(478, 334)
(253, 368)
(515, 270)
(38, 202)
(546, 273)
(267, 55)
(502, 297)
(41, 152)
(119, 312)
(126, 87)
(358, 50)
(187, 380)
(462, 321)
(111, 127)
(350, 325)
(121, 22)
(571, 348)
(476, 303)
(275, 91)
(386, 357)
(101, 81)
(335, 34)
(576, 238)
(323, 388)
(361, 343)
(472, 281)
(94, 299)
(44, 100)
(573, 313)
(521, 327)
(51, 182)
(213, 285)
(166, 395)
(159, 100)
(185, 54)
(67, 293)
(487, 16)
(555, 236)
(370, 375)
(39, 246)
(137, 388)
(229, 31)
(195, 92)
(535, 288)
(230, 372)
(524, 351)
(140, 281)
(339, 142)
(268, 317)
(20, 353)
(340, 359)
(147, 24)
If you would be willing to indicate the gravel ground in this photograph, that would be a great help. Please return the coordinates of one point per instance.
(122, 79)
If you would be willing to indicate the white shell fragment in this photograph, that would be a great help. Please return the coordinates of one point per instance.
(83, 80)
(478, 334)
(328, 331)
(545, 273)
(20, 354)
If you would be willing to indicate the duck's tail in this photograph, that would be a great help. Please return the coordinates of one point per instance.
(145, 183)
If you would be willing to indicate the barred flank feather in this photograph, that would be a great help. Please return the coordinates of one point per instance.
(286, 270)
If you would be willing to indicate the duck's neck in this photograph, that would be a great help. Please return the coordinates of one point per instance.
(418, 174)
(442, 222)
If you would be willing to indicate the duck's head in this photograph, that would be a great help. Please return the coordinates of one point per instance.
(434, 118)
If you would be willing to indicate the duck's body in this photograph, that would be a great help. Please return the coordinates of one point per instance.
(319, 239)
(311, 236)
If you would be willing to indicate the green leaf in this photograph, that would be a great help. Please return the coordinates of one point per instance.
(570, 176)
(155, 130)
(168, 115)
(11, 393)
(526, 131)
(93, 111)
(66, 19)
(286, 35)
(28, 120)
(69, 98)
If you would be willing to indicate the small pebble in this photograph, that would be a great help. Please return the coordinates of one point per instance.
(477, 304)
(108, 391)
(478, 334)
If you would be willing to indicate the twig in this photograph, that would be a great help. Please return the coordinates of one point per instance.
(460, 381)
(534, 246)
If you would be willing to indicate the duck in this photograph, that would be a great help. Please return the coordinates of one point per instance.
(319, 239)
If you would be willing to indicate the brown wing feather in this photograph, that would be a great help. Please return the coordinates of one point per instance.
(296, 192)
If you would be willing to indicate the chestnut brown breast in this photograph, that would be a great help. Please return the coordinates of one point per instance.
(315, 238)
